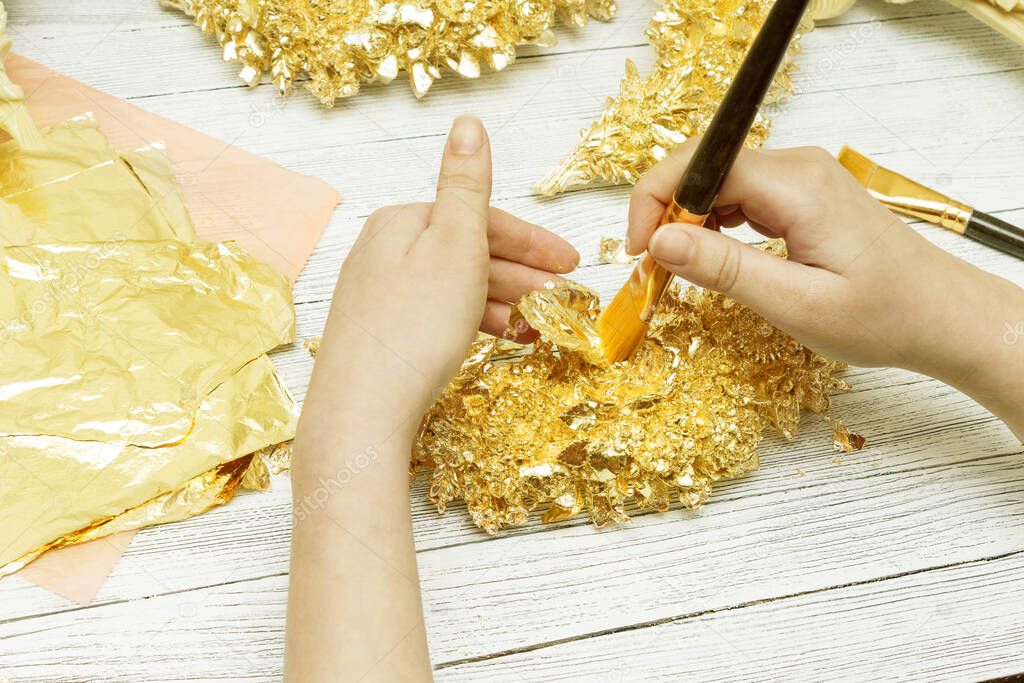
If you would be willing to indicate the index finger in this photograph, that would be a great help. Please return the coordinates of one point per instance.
(652, 194)
(772, 188)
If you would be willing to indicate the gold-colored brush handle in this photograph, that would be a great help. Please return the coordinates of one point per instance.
(649, 280)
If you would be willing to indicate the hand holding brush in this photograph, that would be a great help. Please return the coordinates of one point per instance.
(860, 285)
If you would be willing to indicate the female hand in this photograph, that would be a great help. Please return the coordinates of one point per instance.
(422, 278)
(418, 283)
(860, 285)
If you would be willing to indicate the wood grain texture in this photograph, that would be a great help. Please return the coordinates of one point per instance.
(903, 560)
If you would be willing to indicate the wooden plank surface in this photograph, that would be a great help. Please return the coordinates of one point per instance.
(903, 560)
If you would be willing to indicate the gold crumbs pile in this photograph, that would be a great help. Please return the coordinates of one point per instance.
(557, 429)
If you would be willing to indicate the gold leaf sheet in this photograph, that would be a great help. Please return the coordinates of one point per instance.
(70, 209)
(74, 187)
(208, 490)
(14, 117)
(612, 250)
(121, 341)
(68, 147)
(78, 189)
(559, 429)
(152, 168)
(54, 486)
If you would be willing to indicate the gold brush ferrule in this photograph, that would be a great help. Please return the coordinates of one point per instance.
(649, 280)
(945, 212)
(905, 196)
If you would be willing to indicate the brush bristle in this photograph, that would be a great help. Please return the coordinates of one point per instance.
(859, 166)
(620, 327)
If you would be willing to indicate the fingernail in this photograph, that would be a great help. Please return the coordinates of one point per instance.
(467, 135)
(671, 245)
(627, 245)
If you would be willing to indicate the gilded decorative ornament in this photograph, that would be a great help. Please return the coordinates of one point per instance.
(699, 47)
(341, 45)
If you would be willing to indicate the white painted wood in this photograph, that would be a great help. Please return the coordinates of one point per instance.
(874, 568)
(941, 625)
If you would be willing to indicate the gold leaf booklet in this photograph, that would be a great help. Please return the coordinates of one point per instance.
(135, 382)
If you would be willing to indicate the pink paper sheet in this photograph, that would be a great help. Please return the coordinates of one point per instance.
(78, 571)
(276, 214)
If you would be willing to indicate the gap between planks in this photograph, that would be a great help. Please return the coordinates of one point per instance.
(717, 610)
(581, 521)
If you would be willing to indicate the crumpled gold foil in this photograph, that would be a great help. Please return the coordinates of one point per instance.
(312, 345)
(135, 383)
(214, 487)
(53, 486)
(612, 250)
(78, 189)
(265, 462)
(14, 116)
(120, 342)
(210, 489)
(109, 194)
(277, 457)
(68, 148)
(341, 45)
(700, 45)
(843, 440)
(559, 429)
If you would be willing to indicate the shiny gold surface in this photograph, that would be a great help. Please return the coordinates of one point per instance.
(68, 148)
(342, 45)
(135, 385)
(120, 342)
(14, 117)
(905, 196)
(103, 199)
(612, 250)
(209, 489)
(554, 428)
(77, 189)
(843, 440)
(53, 486)
(699, 45)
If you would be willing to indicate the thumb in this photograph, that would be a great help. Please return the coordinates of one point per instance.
(765, 283)
(464, 183)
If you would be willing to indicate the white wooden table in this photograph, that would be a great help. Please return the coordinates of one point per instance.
(904, 561)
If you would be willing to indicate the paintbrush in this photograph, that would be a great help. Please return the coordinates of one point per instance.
(903, 195)
(623, 323)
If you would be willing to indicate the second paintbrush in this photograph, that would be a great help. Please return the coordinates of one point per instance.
(910, 198)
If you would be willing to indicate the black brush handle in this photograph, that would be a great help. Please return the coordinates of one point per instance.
(996, 233)
(728, 129)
